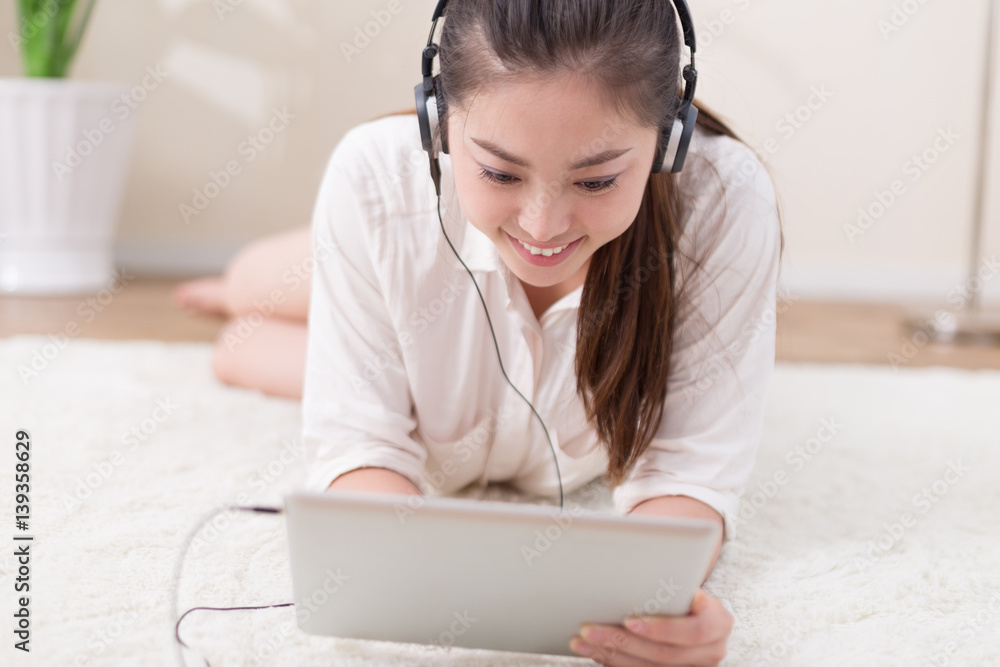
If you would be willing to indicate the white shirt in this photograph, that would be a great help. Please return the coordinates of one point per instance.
(401, 369)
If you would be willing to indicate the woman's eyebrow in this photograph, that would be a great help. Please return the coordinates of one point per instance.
(599, 158)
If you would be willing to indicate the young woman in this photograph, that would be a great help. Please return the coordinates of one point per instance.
(634, 310)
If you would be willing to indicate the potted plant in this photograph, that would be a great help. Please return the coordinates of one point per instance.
(64, 154)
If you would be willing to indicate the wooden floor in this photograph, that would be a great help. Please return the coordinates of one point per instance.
(807, 331)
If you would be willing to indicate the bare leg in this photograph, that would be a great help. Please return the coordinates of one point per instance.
(269, 357)
(269, 273)
(265, 292)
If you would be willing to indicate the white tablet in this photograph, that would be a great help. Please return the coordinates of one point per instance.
(483, 574)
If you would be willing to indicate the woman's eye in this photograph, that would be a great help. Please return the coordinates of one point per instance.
(591, 187)
(599, 186)
(493, 177)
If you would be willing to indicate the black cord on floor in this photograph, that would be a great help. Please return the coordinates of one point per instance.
(177, 627)
(180, 562)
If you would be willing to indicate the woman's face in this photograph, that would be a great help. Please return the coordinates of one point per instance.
(544, 162)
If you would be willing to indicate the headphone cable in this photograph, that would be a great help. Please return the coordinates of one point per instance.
(435, 171)
(180, 564)
(436, 176)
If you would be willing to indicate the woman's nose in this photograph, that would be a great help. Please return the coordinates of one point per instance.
(545, 214)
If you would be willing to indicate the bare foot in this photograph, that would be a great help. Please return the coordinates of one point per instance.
(203, 295)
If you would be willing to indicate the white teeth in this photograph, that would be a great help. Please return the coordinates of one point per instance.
(548, 252)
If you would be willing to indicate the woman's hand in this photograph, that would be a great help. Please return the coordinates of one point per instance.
(696, 639)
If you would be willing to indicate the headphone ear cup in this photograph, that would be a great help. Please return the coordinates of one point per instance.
(666, 152)
(429, 108)
(674, 141)
(442, 109)
(689, 115)
(423, 117)
(661, 149)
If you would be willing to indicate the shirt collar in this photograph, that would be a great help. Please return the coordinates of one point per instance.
(478, 251)
(480, 254)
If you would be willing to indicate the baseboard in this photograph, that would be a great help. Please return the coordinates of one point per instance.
(940, 288)
(878, 285)
(174, 259)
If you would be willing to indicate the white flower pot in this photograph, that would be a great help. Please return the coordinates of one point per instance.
(64, 157)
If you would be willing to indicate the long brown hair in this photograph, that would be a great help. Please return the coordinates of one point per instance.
(631, 49)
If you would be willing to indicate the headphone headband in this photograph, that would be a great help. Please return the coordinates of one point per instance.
(683, 13)
(674, 139)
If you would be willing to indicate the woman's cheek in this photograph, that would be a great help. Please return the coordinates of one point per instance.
(489, 206)
(467, 190)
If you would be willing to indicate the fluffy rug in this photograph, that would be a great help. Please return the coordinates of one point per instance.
(870, 531)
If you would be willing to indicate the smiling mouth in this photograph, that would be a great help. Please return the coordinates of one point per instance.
(536, 250)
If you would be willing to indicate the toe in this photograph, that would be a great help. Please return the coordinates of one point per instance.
(201, 295)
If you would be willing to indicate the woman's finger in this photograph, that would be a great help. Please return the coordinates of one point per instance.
(625, 649)
(707, 623)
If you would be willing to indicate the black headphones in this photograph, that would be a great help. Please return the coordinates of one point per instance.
(674, 139)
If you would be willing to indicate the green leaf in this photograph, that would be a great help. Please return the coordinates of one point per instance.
(50, 43)
(77, 32)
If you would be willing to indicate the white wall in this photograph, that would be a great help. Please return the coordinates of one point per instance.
(758, 61)
(226, 72)
(991, 240)
(892, 92)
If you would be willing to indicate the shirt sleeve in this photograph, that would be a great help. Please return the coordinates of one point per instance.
(706, 445)
(357, 410)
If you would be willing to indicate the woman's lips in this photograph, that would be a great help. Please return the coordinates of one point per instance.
(542, 260)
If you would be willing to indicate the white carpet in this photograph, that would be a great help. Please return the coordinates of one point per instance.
(802, 578)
